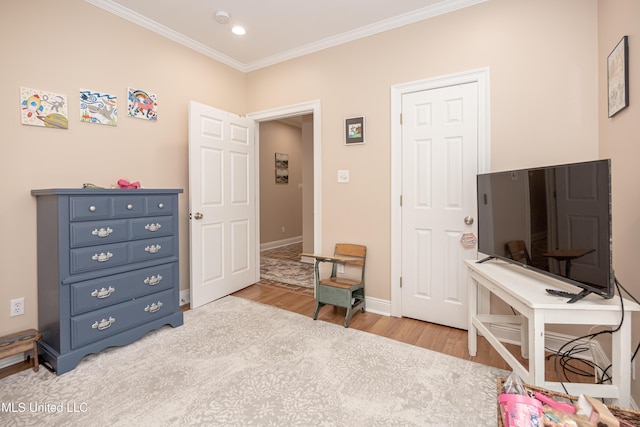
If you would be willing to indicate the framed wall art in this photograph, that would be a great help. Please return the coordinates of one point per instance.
(43, 108)
(282, 168)
(618, 77)
(354, 131)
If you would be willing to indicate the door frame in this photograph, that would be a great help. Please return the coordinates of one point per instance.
(311, 107)
(481, 77)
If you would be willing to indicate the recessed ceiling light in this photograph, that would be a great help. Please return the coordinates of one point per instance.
(238, 30)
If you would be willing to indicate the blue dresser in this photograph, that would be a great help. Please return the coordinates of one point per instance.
(107, 269)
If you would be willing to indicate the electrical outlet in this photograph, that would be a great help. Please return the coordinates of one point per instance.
(17, 307)
(283, 228)
(341, 268)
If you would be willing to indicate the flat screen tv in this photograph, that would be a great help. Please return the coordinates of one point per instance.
(553, 220)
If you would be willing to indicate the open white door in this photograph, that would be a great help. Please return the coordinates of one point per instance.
(222, 203)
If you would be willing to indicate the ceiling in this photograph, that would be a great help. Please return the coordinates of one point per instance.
(277, 30)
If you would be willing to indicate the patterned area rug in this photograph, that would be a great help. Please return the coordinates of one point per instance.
(283, 265)
(236, 362)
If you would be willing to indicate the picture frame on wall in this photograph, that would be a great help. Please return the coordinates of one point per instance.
(282, 176)
(354, 131)
(618, 77)
(282, 160)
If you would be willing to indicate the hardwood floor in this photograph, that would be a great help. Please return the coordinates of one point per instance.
(422, 334)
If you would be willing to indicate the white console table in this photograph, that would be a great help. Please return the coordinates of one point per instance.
(526, 293)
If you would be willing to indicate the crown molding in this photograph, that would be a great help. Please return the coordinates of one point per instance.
(438, 9)
(166, 32)
(366, 31)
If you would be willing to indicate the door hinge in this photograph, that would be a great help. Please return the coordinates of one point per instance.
(401, 281)
(400, 118)
(401, 200)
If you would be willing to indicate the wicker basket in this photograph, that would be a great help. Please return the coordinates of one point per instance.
(630, 416)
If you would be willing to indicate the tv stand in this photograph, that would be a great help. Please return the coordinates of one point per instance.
(485, 259)
(526, 293)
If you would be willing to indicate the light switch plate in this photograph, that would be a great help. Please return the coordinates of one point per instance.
(343, 176)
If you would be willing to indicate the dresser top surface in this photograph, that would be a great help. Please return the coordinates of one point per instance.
(102, 191)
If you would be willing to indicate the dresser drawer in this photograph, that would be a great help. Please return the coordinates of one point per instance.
(97, 257)
(144, 250)
(110, 290)
(129, 205)
(145, 228)
(160, 205)
(87, 208)
(98, 232)
(97, 325)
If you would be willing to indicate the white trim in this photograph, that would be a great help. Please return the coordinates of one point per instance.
(185, 296)
(377, 306)
(311, 107)
(166, 32)
(482, 78)
(280, 243)
(440, 8)
(366, 31)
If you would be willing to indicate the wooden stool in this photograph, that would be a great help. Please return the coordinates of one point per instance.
(21, 342)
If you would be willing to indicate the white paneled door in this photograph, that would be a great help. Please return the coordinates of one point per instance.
(222, 203)
(439, 167)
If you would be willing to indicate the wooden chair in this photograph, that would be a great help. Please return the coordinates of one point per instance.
(341, 291)
(517, 251)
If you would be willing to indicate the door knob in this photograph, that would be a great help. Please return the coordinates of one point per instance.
(198, 215)
(468, 220)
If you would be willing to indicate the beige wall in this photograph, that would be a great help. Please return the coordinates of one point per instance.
(280, 204)
(543, 102)
(62, 47)
(619, 142)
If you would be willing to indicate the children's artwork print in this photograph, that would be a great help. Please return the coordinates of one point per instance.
(98, 107)
(42, 108)
(142, 104)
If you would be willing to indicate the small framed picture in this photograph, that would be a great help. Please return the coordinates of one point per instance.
(282, 176)
(282, 160)
(618, 77)
(354, 131)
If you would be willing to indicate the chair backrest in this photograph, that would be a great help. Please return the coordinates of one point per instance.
(357, 252)
(517, 251)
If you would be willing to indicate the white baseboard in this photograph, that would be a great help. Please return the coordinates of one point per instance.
(185, 296)
(11, 360)
(278, 243)
(378, 306)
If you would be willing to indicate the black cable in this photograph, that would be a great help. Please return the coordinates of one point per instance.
(589, 337)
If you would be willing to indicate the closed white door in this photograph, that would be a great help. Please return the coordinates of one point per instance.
(222, 203)
(439, 167)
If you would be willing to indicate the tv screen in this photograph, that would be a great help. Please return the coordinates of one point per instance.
(555, 220)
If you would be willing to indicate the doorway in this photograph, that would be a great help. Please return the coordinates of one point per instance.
(401, 264)
(286, 182)
(286, 113)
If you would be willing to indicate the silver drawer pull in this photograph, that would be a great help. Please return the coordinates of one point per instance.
(129, 206)
(153, 227)
(153, 280)
(102, 257)
(102, 232)
(103, 293)
(153, 249)
(92, 208)
(153, 307)
(161, 205)
(103, 324)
